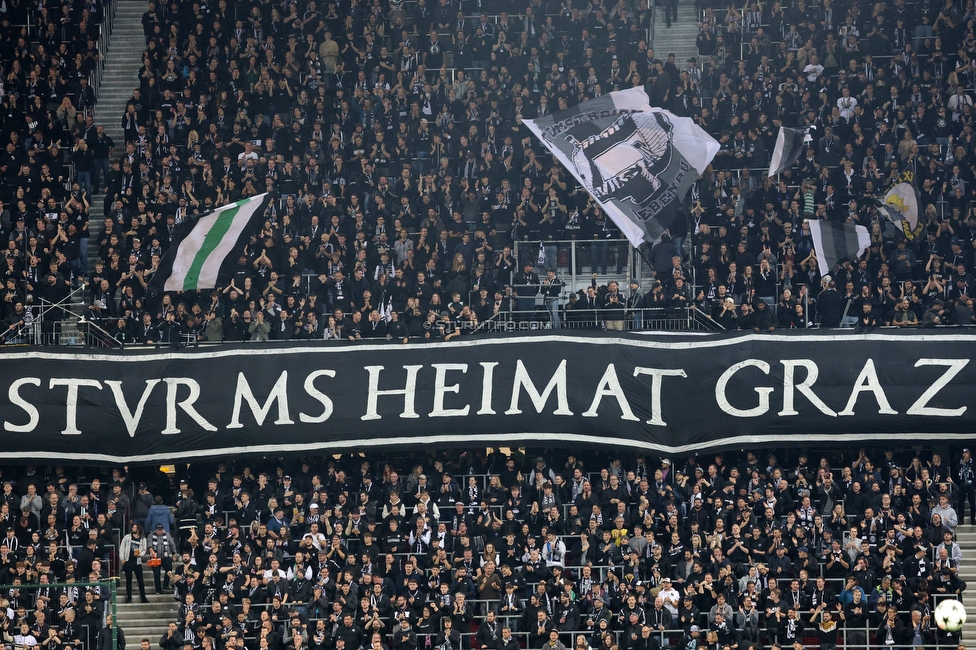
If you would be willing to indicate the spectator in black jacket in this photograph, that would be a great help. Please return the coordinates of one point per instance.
(762, 319)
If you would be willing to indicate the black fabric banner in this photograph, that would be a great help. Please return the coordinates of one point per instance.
(661, 394)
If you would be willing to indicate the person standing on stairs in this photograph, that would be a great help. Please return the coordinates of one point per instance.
(671, 8)
(162, 544)
(103, 149)
(966, 487)
(132, 550)
(105, 635)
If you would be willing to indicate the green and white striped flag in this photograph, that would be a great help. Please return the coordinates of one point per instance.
(201, 245)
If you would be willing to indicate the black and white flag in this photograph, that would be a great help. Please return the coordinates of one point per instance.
(789, 146)
(638, 162)
(902, 206)
(836, 242)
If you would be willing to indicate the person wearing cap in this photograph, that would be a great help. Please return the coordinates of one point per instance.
(141, 504)
(966, 487)
(542, 469)
(669, 596)
(599, 612)
(162, 546)
(526, 286)
(693, 639)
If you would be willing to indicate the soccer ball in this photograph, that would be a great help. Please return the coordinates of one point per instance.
(950, 615)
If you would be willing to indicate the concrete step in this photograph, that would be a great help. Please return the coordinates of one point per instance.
(680, 37)
(151, 622)
(151, 631)
(966, 537)
(118, 81)
(155, 600)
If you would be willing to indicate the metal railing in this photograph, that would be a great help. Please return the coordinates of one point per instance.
(25, 598)
(62, 323)
(851, 637)
(640, 319)
(104, 40)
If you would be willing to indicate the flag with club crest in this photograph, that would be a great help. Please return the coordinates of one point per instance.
(902, 206)
(636, 161)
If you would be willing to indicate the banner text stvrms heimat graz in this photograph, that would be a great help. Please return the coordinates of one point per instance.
(668, 395)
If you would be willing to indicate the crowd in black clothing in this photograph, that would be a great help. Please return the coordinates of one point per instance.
(888, 88)
(391, 134)
(401, 178)
(51, 149)
(467, 550)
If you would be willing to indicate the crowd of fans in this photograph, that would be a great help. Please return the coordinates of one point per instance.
(391, 135)
(459, 550)
(50, 148)
(888, 89)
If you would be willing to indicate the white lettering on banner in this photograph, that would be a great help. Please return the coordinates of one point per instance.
(33, 416)
(486, 387)
(409, 393)
(172, 386)
(953, 368)
(441, 389)
(319, 396)
(657, 379)
(523, 381)
(131, 419)
(805, 387)
(550, 132)
(278, 394)
(71, 402)
(609, 386)
(867, 381)
(196, 405)
(763, 391)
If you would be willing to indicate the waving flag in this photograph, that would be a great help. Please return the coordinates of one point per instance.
(901, 205)
(202, 246)
(638, 162)
(837, 242)
(789, 146)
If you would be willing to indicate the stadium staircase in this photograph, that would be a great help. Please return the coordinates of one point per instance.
(65, 323)
(119, 79)
(680, 38)
(966, 536)
(145, 620)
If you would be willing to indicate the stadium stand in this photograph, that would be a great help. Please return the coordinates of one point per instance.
(460, 549)
(406, 183)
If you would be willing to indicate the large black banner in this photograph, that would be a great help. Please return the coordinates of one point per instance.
(665, 394)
